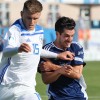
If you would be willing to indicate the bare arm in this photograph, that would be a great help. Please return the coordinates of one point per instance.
(68, 71)
(48, 71)
(73, 72)
(49, 77)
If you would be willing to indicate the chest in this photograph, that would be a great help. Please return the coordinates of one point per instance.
(35, 41)
(31, 38)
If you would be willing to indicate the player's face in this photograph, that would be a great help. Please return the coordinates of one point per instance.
(30, 20)
(66, 38)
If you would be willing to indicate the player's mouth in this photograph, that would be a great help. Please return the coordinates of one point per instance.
(31, 25)
(67, 44)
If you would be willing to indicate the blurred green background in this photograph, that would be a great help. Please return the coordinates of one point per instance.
(91, 74)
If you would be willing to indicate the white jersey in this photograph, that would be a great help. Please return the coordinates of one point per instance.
(22, 67)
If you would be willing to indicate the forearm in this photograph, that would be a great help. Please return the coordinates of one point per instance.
(55, 67)
(8, 52)
(48, 54)
(48, 66)
(75, 73)
(49, 77)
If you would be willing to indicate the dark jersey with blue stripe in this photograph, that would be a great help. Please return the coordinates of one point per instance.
(65, 88)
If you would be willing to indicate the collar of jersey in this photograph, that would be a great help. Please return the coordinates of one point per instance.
(59, 48)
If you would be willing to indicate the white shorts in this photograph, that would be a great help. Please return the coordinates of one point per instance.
(18, 92)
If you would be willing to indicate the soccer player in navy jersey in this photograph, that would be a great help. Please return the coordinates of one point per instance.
(64, 78)
(21, 55)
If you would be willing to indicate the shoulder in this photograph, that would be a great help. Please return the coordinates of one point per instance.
(38, 28)
(13, 32)
(48, 46)
(76, 46)
(15, 27)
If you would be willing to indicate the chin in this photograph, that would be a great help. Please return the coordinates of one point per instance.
(30, 28)
(67, 45)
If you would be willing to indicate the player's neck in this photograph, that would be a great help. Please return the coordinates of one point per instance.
(58, 45)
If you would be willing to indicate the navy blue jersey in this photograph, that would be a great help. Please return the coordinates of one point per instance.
(65, 88)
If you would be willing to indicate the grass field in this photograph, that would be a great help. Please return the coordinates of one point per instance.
(91, 74)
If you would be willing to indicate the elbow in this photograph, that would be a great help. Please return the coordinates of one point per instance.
(5, 54)
(78, 76)
(45, 82)
(9, 52)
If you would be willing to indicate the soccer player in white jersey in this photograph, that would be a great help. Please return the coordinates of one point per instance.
(64, 78)
(22, 53)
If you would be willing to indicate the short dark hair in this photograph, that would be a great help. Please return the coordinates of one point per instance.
(33, 6)
(64, 23)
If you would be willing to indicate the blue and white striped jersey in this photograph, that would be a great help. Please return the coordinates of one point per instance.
(65, 88)
(22, 67)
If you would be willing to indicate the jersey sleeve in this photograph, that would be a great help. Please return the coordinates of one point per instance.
(12, 43)
(13, 38)
(79, 55)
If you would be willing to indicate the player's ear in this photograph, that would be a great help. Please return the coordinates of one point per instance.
(57, 34)
(21, 13)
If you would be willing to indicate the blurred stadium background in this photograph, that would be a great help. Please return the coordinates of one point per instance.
(87, 17)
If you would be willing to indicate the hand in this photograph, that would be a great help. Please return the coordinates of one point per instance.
(47, 65)
(66, 70)
(61, 71)
(67, 55)
(24, 47)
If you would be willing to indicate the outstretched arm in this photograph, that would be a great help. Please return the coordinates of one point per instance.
(67, 55)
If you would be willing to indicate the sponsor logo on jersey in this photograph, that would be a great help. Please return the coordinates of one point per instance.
(28, 40)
